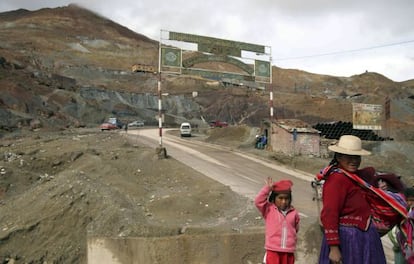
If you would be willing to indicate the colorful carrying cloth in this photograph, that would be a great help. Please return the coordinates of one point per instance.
(404, 239)
(387, 209)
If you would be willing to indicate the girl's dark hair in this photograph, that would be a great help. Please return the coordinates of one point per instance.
(272, 196)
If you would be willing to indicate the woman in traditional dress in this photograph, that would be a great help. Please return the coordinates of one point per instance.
(350, 236)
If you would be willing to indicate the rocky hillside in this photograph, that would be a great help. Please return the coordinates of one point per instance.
(69, 67)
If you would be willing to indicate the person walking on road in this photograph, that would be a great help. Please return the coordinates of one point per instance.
(274, 201)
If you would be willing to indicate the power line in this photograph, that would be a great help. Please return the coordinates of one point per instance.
(346, 51)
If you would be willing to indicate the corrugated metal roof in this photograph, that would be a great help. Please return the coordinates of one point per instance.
(299, 125)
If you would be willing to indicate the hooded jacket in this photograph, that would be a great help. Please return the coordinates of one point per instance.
(281, 230)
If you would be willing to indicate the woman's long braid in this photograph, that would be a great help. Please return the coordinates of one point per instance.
(333, 164)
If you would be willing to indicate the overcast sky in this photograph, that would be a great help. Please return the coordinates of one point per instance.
(340, 38)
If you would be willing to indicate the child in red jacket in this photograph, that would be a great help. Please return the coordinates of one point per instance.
(281, 221)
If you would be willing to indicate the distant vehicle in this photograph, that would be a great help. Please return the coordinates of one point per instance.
(115, 121)
(136, 124)
(185, 129)
(217, 123)
(108, 126)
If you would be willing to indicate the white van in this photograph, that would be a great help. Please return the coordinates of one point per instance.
(185, 129)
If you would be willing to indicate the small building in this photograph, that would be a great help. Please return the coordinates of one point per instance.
(294, 137)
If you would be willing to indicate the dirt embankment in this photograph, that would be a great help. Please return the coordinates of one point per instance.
(58, 187)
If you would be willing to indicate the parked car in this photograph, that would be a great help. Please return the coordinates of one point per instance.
(185, 129)
(136, 124)
(217, 123)
(116, 121)
(108, 126)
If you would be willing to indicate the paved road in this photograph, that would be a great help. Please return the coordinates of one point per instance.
(243, 172)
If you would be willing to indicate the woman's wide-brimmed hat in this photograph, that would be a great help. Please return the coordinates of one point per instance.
(350, 145)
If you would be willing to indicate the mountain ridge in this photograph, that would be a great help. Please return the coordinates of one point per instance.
(71, 44)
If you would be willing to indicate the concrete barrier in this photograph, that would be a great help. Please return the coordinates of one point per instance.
(205, 248)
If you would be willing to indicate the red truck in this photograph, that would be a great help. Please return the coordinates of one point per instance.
(218, 123)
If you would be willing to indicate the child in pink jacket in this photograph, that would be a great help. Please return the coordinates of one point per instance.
(281, 221)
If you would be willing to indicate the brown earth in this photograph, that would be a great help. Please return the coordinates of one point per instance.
(59, 187)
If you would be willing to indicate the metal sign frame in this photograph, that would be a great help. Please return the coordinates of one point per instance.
(208, 49)
(171, 60)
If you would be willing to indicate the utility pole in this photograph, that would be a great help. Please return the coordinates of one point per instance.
(161, 151)
(159, 109)
(271, 103)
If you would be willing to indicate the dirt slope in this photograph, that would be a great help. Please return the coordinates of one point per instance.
(58, 187)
